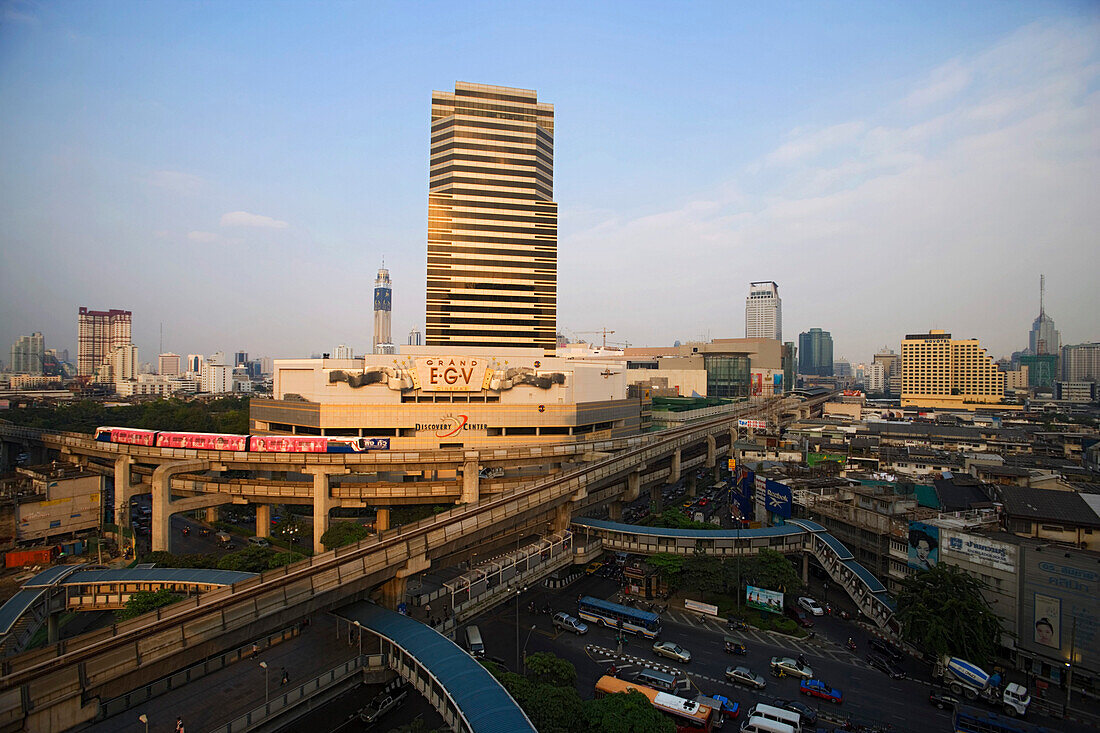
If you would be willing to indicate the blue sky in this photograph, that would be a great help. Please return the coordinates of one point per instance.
(237, 170)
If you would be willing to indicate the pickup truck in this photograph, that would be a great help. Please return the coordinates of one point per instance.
(382, 704)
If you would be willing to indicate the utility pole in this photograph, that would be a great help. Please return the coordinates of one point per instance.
(1069, 664)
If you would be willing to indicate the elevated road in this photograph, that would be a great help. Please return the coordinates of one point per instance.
(60, 686)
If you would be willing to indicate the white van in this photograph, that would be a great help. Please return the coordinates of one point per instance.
(759, 724)
(775, 715)
(259, 542)
(473, 642)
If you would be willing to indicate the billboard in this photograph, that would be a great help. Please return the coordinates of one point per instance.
(741, 492)
(450, 374)
(763, 599)
(754, 424)
(777, 498)
(1048, 621)
(924, 545)
(1058, 609)
(979, 550)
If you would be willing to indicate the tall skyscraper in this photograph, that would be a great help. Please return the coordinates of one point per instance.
(1081, 363)
(239, 358)
(815, 353)
(28, 354)
(938, 371)
(168, 365)
(98, 334)
(383, 304)
(1044, 337)
(492, 222)
(764, 311)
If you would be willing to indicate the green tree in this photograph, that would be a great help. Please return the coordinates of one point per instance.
(257, 559)
(552, 709)
(942, 611)
(340, 534)
(144, 601)
(629, 712)
(703, 573)
(550, 669)
(769, 569)
(668, 566)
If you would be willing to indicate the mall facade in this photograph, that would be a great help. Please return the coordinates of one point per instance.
(441, 397)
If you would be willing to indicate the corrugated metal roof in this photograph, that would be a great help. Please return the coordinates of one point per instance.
(485, 704)
(154, 575)
(16, 606)
(1067, 507)
(783, 531)
(873, 584)
(841, 551)
(50, 576)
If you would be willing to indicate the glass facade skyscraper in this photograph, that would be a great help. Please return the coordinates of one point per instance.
(815, 353)
(492, 222)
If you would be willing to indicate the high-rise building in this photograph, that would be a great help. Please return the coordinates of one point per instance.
(240, 358)
(415, 337)
(938, 371)
(815, 353)
(1044, 337)
(28, 354)
(891, 365)
(343, 352)
(383, 304)
(168, 365)
(492, 222)
(874, 378)
(98, 334)
(120, 365)
(194, 363)
(842, 368)
(764, 311)
(1081, 363)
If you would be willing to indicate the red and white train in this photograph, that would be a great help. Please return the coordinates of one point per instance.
(240, 443)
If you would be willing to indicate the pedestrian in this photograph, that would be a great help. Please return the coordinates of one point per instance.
(428, 608)
(255, 650)
(286, 678)
(179, 725)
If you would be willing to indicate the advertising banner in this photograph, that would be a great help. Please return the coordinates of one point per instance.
(777, 498)
(700, 607)
(754, 424)
(980, 550)
(1059, 612)
(763, 599)
(741, 492)
(924, 545)
(450, 374)
(1048, 621)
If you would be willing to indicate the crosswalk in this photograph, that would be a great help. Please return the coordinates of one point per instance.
(818, 648)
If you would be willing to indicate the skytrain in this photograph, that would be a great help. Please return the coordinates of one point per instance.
(241, 443)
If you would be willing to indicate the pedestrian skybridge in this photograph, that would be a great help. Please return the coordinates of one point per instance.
(797, 535)
(465, 694)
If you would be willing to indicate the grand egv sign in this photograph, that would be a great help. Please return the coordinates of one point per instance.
(451, 374)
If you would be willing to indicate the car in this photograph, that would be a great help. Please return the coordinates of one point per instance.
(745, 676)
(886, 649)
(811, 606)
(817, 688)
(799, 616)
(885, 665)
(563, 620)
(672, 650)
(259, 542)
(382, 703)
(809, 715)
(704, 501)
(785, 666)
(688, 503)
(593, 567)
(943, 698)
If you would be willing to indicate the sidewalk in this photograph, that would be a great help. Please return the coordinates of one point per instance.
(221, 696)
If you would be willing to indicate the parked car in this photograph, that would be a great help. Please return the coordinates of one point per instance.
(781, 666)
(809, 715)
(886, 649)
(817, 688)
(563, 620)
(811, 606)
(885, 665)
(799, 616)
(943, 698)
(745, 676)
(672, 650)
(259, 542)
(382, 704)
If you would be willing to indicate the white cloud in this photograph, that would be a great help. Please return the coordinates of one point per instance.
(943, 83)
(809, 144)
(197, 236)
(245, 219)
(176, 181)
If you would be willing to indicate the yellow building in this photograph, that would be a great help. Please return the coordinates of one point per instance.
(941, 372)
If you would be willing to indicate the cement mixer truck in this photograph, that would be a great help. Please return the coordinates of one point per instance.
(968, 679)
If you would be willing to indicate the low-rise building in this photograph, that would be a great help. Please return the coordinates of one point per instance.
(58, 499)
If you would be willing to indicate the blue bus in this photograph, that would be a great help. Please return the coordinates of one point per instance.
(974, 720)
(616, 616)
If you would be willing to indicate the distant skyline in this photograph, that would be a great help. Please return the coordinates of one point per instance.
(239, 175)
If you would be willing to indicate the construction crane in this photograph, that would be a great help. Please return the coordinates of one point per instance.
(603, 331)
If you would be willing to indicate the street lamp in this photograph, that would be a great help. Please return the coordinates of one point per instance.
(264, 665)
(533, 627)
(519, 591)
(143, 718)
(360, 627)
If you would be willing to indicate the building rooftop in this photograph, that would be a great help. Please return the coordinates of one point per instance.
(1067, 507)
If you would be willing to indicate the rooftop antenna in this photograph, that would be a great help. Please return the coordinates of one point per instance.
(162, 337)
(1042, 289)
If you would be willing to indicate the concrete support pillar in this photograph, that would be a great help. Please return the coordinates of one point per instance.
(615, 511)
(674, 468)
(392, 592)
(633, 486)
(322, 505)
(712, 451)
(211, 514)
(263, 520)
(381, 519)
(655, 499)
(471, 492)
(52, 628)
(123, 491)
(164, 507)
(805, 568)
(691, 484)
(563, 515)
(733, 443)
(717, 472)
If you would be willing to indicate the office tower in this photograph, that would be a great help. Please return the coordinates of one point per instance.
(383, 303)
(938, 371)
(1081, 363)
(874, 378)
(120, 365)
(168, 365)
(492, 221)
(343, 352)
(764, 311)
(98, 334)
(815, 353)
(891, 365)
(240, 358)
(842, 368)
(194, 363)
(1044, 337)
(28, 354)
(415, 337)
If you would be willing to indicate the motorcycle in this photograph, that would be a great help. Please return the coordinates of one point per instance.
(845, 615)
(850, 644)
